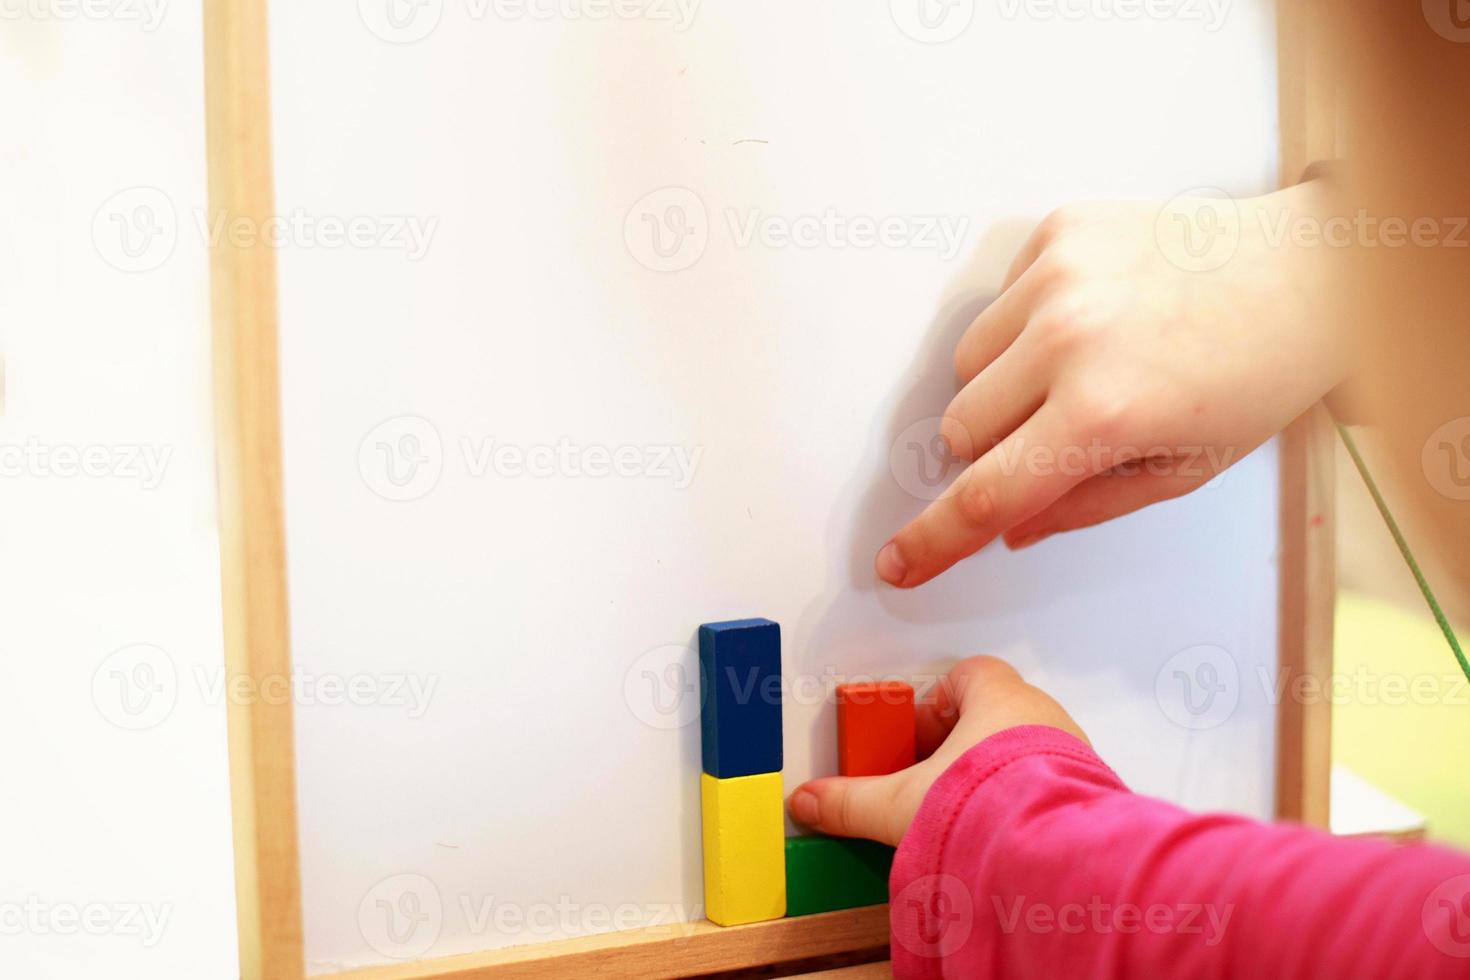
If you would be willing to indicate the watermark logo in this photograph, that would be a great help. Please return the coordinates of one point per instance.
(1199, 230)
(402, 458)
(1445, 917)
(667, 230)
(1450, 19)
(136, 687)
(661, 687)
(1198, 688)
(934, 916)
(400, 917)
(932, 21)
(922, 458)
(401, 21)
(1446, 459)
(136, 229)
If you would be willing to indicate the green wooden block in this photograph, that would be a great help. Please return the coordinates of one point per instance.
(824, 874)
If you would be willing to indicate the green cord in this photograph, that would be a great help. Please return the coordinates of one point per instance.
(1398, 539)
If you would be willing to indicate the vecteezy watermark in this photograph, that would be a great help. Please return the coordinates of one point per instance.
(147, 14)
(1446, 459)
(1207, 920)
(1362, 229)
(1448, 18)
(923, 462)
(145, 464)
(403, 458)
(408, 21)
(937, 233)
(1209, 13)
(138, 229)
(1199, 687)
(927, 455)
(569, 460)
(402, 916)
(408, 692)
(1199, 230)
(669, 229)
(35, 916)
(662, 686)
(1362, 686)
(933, 916)
(1445, 916)
(932, 21)
(137, 688)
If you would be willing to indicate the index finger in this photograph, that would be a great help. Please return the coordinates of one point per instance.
(995, 493)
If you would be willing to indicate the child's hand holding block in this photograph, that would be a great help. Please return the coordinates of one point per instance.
(875, 728)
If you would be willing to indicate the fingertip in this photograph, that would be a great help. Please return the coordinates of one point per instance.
(890, 564)
(805, 807)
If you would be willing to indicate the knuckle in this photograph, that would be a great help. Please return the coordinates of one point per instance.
(846, 814)
(964, 360)
(1067, 326)
(975, 504)
(956, 434)
(982, 673)
(1057, 223)
(1105, 411)
(991, 668)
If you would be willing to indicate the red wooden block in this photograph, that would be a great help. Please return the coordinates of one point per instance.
(875, 728)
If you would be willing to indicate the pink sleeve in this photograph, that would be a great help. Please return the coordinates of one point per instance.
(1030, 859)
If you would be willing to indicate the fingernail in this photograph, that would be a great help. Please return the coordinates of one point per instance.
(804, 807)
(890, 564)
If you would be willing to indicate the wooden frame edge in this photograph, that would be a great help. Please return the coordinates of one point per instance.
(667, 951)
(255, 598)
(1307, 549)
(251, 513)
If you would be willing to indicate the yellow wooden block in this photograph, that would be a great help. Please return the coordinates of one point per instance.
(744, 848)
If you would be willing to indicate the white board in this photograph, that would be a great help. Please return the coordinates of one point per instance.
(506, 291)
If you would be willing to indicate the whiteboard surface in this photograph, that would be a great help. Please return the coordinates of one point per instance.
(495, 753)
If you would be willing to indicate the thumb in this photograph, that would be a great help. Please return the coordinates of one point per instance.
(850, 806)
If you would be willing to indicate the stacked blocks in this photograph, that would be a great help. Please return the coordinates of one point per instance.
(740, 789)
(875, 728)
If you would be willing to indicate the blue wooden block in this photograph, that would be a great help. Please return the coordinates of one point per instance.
(740, 697)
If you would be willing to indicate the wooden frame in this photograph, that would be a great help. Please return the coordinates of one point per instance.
(1307, 567)
(256, 626)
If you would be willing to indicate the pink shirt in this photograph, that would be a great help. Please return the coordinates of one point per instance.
(1030, 859)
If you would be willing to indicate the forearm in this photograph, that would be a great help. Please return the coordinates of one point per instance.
(1029, 858)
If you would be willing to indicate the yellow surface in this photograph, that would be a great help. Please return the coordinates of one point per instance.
(1401, 711)
(744, 848)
